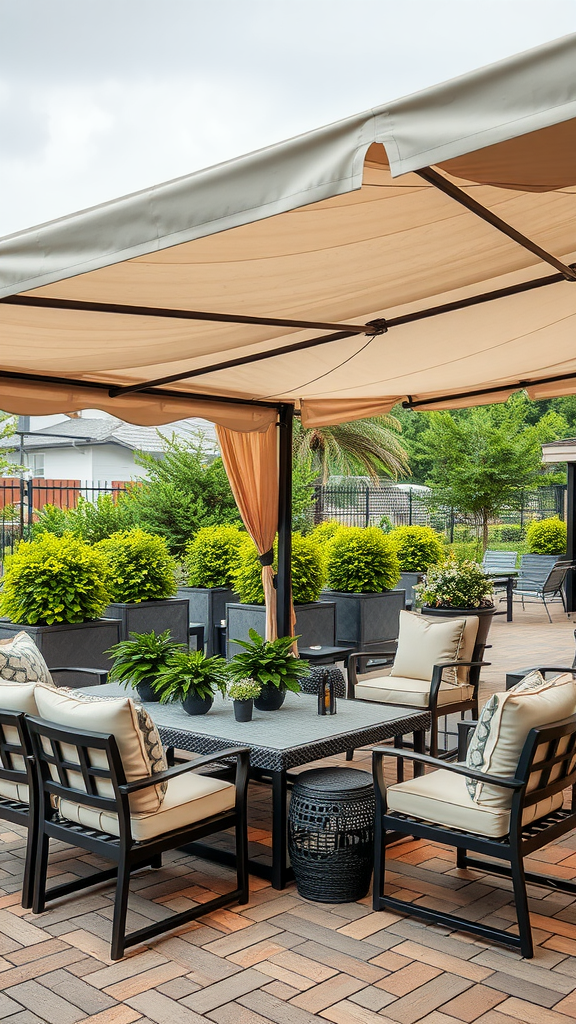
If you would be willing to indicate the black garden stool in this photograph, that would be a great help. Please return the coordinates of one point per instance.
(331, 834)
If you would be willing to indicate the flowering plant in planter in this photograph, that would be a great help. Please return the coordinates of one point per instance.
(456, 585)
(244, 689)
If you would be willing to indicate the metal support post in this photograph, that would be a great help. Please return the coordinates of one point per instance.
(571, 536)
(284, 582)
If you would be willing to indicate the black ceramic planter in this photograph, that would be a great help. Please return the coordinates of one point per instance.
(208, 606)
(194, 705)
(315, 624)
(70, 644)
(145, 616)
(146, 692)
(243, 710)
(270, 699)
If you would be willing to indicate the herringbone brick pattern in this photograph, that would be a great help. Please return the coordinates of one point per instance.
(283, 960)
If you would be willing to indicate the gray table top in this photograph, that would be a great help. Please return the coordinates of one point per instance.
(292, 736)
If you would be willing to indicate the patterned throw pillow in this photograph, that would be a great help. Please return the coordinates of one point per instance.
(503, 727)
(150, 735)
(21, 661)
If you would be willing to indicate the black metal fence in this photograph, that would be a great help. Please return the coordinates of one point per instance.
(369, 505)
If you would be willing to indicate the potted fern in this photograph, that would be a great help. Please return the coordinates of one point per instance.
(57, 589)
(193, 679)
(139, 660)
(209, 563)
(243, 694)
(271, 664)
(142, 582)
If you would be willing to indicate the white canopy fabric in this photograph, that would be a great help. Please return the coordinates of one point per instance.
(321, 235)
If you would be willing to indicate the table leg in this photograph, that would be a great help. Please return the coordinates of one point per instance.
(279, 830)
(509, 598)
(419, 737)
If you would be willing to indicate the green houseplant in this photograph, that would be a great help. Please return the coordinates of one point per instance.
(209, 562)
(58, 587)
(315, 620)
(546, 536)
(142, 581)
(193, 679)
(362, 570)
(139, 660)
(243, 694)
(272, 664)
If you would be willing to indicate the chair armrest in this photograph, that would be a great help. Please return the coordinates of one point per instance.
(547, 668)
(351, 663)
(101, 673)
(464, 728)
(242, 754)
(451, 766)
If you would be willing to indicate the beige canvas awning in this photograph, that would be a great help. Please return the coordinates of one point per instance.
(254, 281)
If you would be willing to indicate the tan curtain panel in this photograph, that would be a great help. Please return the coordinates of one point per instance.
(251, 462)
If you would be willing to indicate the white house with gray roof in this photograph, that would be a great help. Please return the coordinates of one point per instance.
(96, 448)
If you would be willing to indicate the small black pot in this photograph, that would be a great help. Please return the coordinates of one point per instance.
(243, 710)
(146, 692)
(194, 705)
(270, 699)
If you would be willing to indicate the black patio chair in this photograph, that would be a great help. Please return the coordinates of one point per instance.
(546, 590)
(18, 789)
(546, 767)
(64, 764)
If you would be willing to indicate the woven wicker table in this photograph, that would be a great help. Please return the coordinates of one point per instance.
(280, 740)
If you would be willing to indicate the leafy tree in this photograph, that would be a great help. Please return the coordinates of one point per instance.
(185, 490)
(369, 446)
(481, 461)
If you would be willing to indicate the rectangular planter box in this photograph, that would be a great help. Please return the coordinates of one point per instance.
(145, 616)
(81, 644)
(366, 620)
(208, 606)
(315, 624)
(408, 581)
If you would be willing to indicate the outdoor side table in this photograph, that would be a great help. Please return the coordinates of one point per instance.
(325, 655)
(331, 834)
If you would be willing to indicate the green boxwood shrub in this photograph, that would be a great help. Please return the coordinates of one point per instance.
(361, 560)
(212, 555)
(325, 531)
(417, 547)
(546, 536)
(307, 571)
(140, 565)
(55, 579)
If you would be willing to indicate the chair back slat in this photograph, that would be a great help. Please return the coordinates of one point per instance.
(548, 761)
(499, 561)
(14, 748)
(555, 579)
(535, 569)
(67, 765)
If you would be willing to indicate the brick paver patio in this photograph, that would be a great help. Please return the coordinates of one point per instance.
(284, 960)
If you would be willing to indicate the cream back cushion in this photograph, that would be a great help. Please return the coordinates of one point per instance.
(21, 661)
(135, 733)
(423, 643)
(503, 727)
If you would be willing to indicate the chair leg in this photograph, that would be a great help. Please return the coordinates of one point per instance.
(41, 868)
(521, 901)
(434, 735)
(241, 833)
(120, 910)
(156, 861)
(379, 861)
(546, 607)
(460, 857)
(30, 865)
(349, 755)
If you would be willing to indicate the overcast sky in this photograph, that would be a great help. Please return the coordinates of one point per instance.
(99, 98)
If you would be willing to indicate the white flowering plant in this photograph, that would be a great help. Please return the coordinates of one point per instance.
(456, 585)
(244, 689)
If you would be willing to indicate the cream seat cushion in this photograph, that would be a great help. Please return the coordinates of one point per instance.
(135, 733)
(18, 697)
(409, 692)
(188, 798)
(442, 797)
(503, 727)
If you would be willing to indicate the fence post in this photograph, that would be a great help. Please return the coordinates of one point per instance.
(367, 511)
(521, 509)
(410, 507)
(451, 525)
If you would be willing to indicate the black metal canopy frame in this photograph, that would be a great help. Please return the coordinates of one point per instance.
(338, 332)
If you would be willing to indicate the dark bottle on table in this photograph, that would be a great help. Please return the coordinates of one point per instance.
(326, 695)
